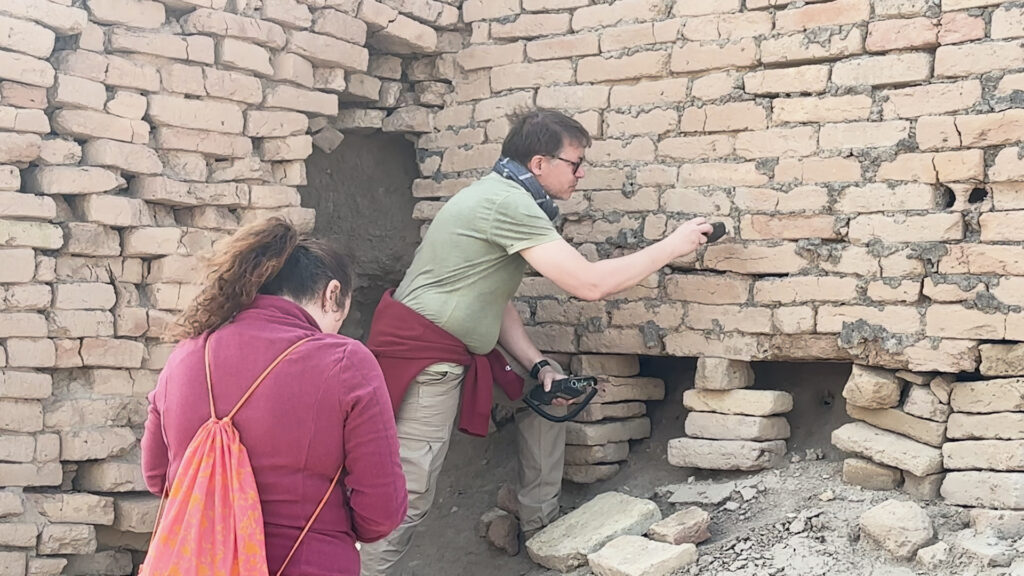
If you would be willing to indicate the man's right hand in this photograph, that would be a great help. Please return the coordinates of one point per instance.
(690, 235)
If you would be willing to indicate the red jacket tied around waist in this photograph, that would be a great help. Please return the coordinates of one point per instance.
(405, 343)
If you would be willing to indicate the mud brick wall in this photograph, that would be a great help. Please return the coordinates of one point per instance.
(865, 155)
(133, 136)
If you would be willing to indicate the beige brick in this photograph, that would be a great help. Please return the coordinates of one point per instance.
(563, 47)
(727, 26)
(85, 124)
(697, 147)
(702, 7)
(654, 122)
(26, 37)
(112, 353)
(405, 36)
(480, 156)
(899, 8)
(183, 79)
(863, 134)
(794, 48)
(638, 149)
(800, 199)
(880, 197)
(751, 259)
(26, 385)
(933, 99)
(220, 23)
(627, 37)
(895, 319)
(793, 319)
(835, 109)
(154, 43)
(59, 152)
(639, 65)
(244, 55)
(133, 158)
(990, 129)
(19, 148)
(127, 105)
(693, 201)
(549, 5)
(698, 56)
(818, 170)
(889, 70)
(606, 15)
(650, 92)
(288, 13)
(787, 227)
(490, 56)
(112, 210)
(955, 321)
(339, 25)
(23, 95)
(573, 97)
(531, 75)
(777, 142)
(376, 15)
(70, 180)
(927, 228)
(126, 73)
(730, 318)
(292, 98)
(25, 69)
(741, 402)
(807, 79)
(473, 10)
(83, 296)
(1002, 227)
(21, 415)
(1007, 85)
(956, 27)
(136, 14)
(714, 86)
(30, 353)
(805, 289)
(833, 13)
(532, 26)
(910, 34)
(30, 234)
(64, 20)
(970, 59)
(721, 174)
(708, 289)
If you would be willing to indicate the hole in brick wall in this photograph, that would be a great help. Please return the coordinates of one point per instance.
(945, 197)
(817, 389)
(977, 195)
(361, 194)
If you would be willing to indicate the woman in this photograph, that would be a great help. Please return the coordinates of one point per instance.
(323, 408)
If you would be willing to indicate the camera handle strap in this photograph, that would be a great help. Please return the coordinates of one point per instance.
(536, 407)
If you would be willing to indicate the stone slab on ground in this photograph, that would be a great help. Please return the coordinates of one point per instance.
(1005, 524)
(927, 431)
(888, 448)
(565, 543)
(725, 454)
(637, 556)
(600, 454)
(901, 528)
(871, 476)
(923, 487)
(744, 402)
(589, 473)
(714, 426)
(689, 525)
(723, 374)
(1000, 490)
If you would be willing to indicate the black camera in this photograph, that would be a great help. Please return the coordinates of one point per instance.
(565, 388)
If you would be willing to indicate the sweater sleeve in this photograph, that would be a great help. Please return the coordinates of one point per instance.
(373, 471)
(154, 447)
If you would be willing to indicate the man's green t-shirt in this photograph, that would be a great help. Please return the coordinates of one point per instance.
(468, 265)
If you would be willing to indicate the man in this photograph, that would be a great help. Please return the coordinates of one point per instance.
(436, 337)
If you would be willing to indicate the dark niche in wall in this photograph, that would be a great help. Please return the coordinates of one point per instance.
(362, 196)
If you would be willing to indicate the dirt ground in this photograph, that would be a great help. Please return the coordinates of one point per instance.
(799, 520)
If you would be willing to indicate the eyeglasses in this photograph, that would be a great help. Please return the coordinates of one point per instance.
(575, 165)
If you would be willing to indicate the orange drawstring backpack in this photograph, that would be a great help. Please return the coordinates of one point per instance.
(211, 522)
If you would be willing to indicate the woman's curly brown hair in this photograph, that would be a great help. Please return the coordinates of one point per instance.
(267, 257)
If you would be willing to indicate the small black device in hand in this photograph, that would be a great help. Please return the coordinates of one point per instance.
(717, 231)
(568, 388)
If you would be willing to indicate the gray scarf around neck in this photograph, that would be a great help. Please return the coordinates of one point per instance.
(516, 172)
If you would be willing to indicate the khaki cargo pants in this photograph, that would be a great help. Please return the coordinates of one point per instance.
(425, 423)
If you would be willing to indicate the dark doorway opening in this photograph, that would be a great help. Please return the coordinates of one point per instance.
(362, 196)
